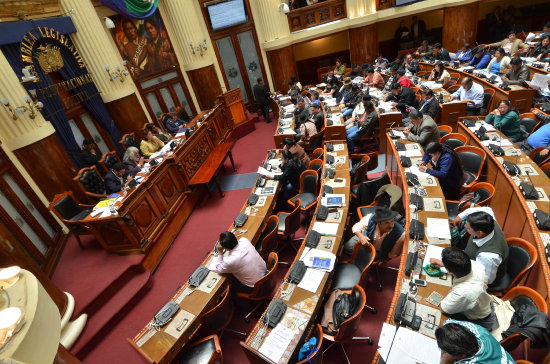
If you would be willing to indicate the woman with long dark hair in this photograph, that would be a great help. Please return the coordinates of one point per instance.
(505, 119)
(292, 167)
(447, 168)
(439, 73)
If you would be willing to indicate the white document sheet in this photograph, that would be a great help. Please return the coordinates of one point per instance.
(438, 228)
(433, 251)
(420, 347)
(411, 153)
(325, 228)
(503, 143)
(311, 280)
(276, 342)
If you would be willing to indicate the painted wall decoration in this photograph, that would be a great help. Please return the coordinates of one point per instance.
(144, 44)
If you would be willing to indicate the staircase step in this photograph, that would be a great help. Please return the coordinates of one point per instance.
(110, 305)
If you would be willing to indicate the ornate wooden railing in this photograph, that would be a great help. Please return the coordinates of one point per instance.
(313, 15)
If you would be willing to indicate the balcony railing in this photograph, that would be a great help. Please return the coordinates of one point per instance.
(317, 14)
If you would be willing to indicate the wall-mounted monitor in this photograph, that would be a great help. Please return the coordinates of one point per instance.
(226, 13)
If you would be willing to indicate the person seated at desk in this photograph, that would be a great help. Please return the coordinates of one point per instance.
(401, 98)
(362, 124)
(424, 51)
(172, 123)
(487, 244)
(340, 68)
(465, 54)
(505, 119)
(350, 102)
(394, 77)
(291, 144)
(315, 98)
(541, 137)
(542, 49)
(403, 79)
(429, 104)
(164, 137)
(330, 78)
(307, 129)
(357, 112)
(465, 342)
(345, 90)
(468, 299)
(150, 144)
(398, 61)
(423, 130)
(243, 261)
(499, 63)
(380, 61)
(441, 54)
(133, 161)
(317, 116)
(380, 230)
(447, 168)
(355, 72)
(302, 112)
(439, 74)
(374, 79)
(329, 90)
(472, 94)
(480, 59)
(410, 66)
(518, 73)
(511, 44)
(292, 168)
(90, 155)
(115, 179)
(294, 85)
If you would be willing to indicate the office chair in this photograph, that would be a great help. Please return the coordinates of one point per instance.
(72, 214)
(522, 256)
(537, 158)
(91, 183)
(366, 192)
(216, 320)
(387, 195)
(488, 95)
(349, 327)
(108, 160)
(444, 130)
(129, 140)
(528, 123)
(317, 154)
(358, 172)
(546, 169)
(263, 288)
(308, 191)
(316, 165)
(317, 356)
(453, 89)
(315, 141)
(520, 296)
(453, 140)
(204, 351)
(472, 159)
(449, 83)
(289, 223)
(267, 242)
(485, 190)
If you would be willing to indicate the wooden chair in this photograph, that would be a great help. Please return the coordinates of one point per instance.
(453, 88)
(219, 317)
(349, 327)
(65, 207)
(455, 76)
(486, 192)
(129, 140)
(317, 356)
(308, 191)
(316, 165)
(289, 222)
(472, 159)
(535, 157)
(91, 183)
(204, 351)
(263, 288)
(315, 141)
(366, 191)
(108, 160)
(444, 130)
(358, 172)
(423, 74)
(387, 195)
(449, 83)
(521, 258)
(267, 242)
(518, 296)
(545, 167)
(453, 140)
(317, 153)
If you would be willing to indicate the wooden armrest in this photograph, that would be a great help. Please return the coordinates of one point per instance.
(86, 206)
(95, 195)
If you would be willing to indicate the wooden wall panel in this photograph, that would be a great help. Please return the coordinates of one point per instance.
(128, 115)
(283, 66)
(50, 166)
(459, 26)
(206, 85)
(363, 44)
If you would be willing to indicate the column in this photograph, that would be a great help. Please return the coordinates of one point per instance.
(363, 44)
(97, 50)
(184, 22)
(283, 66)
(459, 26)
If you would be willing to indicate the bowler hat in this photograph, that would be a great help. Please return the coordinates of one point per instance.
(382, 213)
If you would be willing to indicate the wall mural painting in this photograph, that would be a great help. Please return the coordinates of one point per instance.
(144, 44)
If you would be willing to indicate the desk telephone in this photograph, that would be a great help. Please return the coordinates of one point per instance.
(267, 166)
(261, 182)
(405, 312)
(274, 312)
(271, 154)
(165, 314)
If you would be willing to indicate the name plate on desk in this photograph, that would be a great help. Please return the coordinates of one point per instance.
(179, 323)
(338, 147)
(434, 204)
(326, 243)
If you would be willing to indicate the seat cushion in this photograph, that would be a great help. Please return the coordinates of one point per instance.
(346, 275)
(306, 198)
(81, 215)
(452, 209)
(282, 218)
(199, 354)
(470, 178)
(500, 285)
(355, 190)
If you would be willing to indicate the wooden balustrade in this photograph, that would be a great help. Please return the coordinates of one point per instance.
(317, 14)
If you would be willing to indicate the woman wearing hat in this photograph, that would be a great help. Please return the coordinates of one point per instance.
(380, 230)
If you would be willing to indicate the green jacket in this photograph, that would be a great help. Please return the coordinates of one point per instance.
(508, 124)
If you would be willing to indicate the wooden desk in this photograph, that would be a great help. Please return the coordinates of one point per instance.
(520, 97)
(303, 304)
(336, 131)
(512, 211)
(212, 164)
(397, 175)
(162, 346)
(279, 137)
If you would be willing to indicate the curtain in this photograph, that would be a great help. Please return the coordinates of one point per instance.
(134, 9)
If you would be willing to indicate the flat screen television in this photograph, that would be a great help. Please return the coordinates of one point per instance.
(405, 2)
(226, 13)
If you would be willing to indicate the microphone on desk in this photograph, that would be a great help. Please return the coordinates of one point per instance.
(391, 131)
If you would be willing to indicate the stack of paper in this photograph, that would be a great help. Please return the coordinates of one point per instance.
(408, 347)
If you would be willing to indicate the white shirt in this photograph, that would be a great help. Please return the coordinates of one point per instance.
(243, 262)
(475, 93)
(490, 261)
(469, 295)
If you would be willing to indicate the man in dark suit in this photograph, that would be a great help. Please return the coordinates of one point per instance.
(261, 95)
(114, 180)
(90, 155)
(317, 116)
(429, 104)
(302, 113)
(329, 78)
(423, 130)
(402, 98)
(441, 54)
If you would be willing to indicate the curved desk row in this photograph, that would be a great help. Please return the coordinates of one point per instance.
(164, 344)
(303, 306)
(512, 210)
